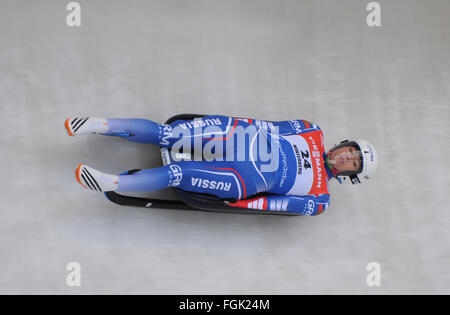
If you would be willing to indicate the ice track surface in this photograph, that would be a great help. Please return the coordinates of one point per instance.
(315, 60)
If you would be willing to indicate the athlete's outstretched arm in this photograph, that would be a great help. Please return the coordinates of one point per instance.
(305, 205)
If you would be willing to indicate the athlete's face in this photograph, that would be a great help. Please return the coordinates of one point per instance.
(345, 159)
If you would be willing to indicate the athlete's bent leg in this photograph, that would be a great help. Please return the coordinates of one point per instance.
(131, 129)
(236, 180)
(144, 180)
(135, 130)
(223, 179)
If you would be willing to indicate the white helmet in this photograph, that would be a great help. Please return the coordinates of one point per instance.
(369, 160)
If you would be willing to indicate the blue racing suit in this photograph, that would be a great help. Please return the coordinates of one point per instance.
(271, 166)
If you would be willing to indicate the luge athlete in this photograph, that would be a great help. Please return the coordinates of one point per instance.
(292, 176)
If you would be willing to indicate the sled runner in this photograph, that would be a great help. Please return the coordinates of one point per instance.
(187, 200)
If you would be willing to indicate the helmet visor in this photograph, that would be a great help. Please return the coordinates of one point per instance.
(345, 158)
